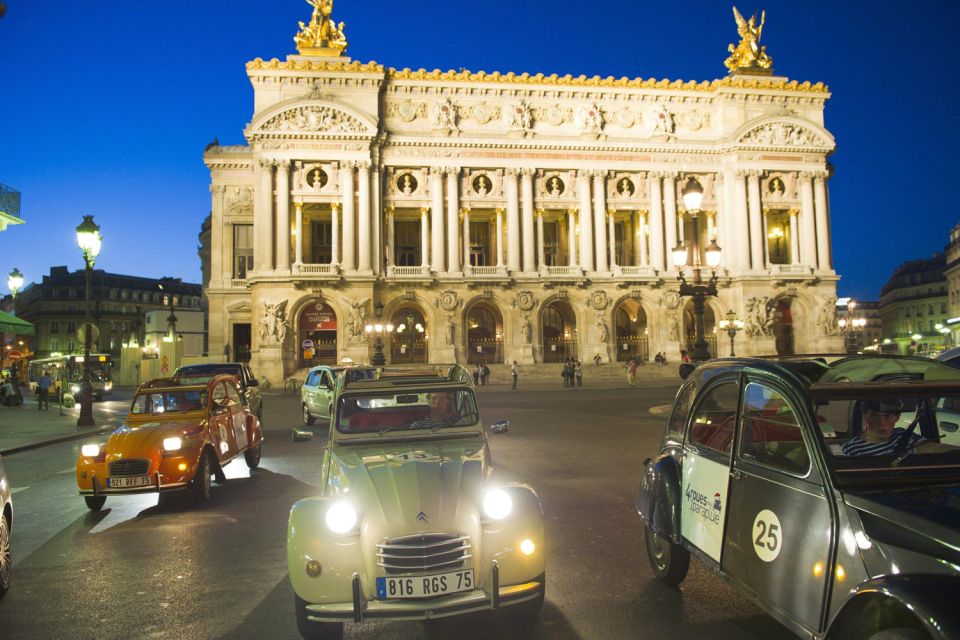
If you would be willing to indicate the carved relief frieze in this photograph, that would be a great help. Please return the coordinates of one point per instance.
(783, 134)
(406, 110)
(443, 114)
(482, 112)
(662, 121)
(517, 116)
(694, 120)
(554, 114)
(314, 118)
(589, 119)
(239, 201)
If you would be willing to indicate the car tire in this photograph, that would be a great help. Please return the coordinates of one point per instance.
(670, 562)
(899, 634)
(6, 560)
(252, 456)
(310, 630)
(95, 503)
(307, 418)
(532, 608)
(200, 485)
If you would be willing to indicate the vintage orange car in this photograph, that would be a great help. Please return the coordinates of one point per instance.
(175, 437)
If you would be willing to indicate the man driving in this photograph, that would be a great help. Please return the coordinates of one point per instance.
(880, 435)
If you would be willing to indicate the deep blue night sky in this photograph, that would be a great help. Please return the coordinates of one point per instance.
(107, 105)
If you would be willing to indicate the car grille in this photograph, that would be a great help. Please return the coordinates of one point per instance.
(423, 552)
(128, 467)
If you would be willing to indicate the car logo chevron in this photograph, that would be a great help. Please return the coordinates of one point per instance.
(422, 517)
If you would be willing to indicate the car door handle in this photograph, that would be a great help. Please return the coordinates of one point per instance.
(736, 474)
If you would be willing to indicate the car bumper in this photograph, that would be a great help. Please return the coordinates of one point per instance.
(97, 489)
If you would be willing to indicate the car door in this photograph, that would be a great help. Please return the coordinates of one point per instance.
(706, 465)
(309, 390)
(779, 524)
(324, 393)
(238, 419)
(221, 421)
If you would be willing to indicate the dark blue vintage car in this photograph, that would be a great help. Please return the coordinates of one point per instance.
(826, 492)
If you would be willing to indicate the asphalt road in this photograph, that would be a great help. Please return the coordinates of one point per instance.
(218, 570)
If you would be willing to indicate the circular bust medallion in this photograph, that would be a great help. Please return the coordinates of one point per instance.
(406, 183)
(317, 178)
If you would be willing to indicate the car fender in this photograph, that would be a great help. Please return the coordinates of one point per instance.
(929, 600)
(339, 555)
(658, 502)
(502, 538)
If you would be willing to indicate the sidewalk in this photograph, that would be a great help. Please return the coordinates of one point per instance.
(25, 428)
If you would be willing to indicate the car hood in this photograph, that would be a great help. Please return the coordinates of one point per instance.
(412, 487)
(127, 441)
(923, 520)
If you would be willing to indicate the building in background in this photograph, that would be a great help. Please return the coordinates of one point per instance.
(952, 273)
(914, 306)
(187, 329)
(9, 207)
(500, 217)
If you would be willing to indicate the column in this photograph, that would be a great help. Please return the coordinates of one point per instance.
(643, 259)
(263, 220)
(586, 228)
(436, 219)
(808, 243)
(822, 207)
(513, 220)
(756, 221)
(364, 235)
(655, 222)
(391, 250)
(335, 234)
(499, 237)
(283, 217)
(377, 248)
(453, 207)
(571, 237)
(424, 238)
(541, 259)
(219, 251)
(466, 240)
(298, 250)
(348, 262)
(526, 189)
(612, 234)
(794, 239)
(741, 219)
(599, 221)
(670, 213)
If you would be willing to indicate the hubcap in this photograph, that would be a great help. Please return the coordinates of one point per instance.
(4, 551)
(658, 549)
(306, 414)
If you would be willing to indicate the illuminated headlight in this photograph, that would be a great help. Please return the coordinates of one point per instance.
(497, 504)
(172, 444)
(527, 547)
(341, 517)
(108, 386)
(74, 389)
(90, 450)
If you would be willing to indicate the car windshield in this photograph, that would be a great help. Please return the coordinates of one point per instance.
(206, 372)
(405, 410)
(174, 401)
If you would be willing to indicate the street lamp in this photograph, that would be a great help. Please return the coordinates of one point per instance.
(731, 325)
(378, 329)
(14, 282)
(88, 238)
(698, 289)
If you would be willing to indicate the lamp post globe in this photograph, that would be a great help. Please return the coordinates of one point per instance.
(15, 282)
(89, 241)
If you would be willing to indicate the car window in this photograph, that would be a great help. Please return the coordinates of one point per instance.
(311, 380)
(681, 409)
(233, 394)
(770, 431)
(402, 410)
(713, 419)
(219, 394)
(325, 379)
(169, 401)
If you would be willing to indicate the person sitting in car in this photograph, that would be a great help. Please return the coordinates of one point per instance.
(880, 436)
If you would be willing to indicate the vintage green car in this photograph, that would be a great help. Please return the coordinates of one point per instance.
(409, 523)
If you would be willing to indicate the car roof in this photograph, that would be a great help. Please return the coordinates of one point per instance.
(390, 378)
(176, 384)
(336, 368)
(210, 366)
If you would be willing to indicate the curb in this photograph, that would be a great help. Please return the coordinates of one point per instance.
(67, 438)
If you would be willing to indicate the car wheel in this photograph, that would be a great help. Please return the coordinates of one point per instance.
(899, 634)
(531, 608)
(95, 503)
(200, 485)
(252, 456)
(307, 418)
(310, 630)
(5, 559)
(670, 561)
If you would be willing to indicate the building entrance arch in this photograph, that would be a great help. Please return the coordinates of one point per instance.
(316, 334)
(709, 329)
(484, 334)
(630, 322)
(558, 328)
(783, 328)
(408, 342)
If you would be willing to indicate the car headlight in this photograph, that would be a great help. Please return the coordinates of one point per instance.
(90, 450)
(172, 444)
(341, 517)
(74, 389)
(108, 386)
(497, 504)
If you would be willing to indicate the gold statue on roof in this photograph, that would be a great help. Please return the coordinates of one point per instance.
(749, 56)
(322, 37)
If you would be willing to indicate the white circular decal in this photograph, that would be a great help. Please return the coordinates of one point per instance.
(767, 535)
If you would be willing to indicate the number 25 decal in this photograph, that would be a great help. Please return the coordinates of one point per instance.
(767, 535)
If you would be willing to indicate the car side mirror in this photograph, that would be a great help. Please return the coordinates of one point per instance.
(253, 383)
(686, 369)
(950, 427)
(299, 435)
(500, 426)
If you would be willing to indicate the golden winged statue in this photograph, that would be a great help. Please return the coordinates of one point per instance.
(749, 55)
(322, 36)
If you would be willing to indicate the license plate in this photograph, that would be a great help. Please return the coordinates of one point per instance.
(129, 482)
(437, 584)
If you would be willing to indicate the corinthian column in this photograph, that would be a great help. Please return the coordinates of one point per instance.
(526, 188)
(283, 217)
(808, 239)
(756, 221)
(822, 206)
(263, 220)
(586, 226)
(599, 220)
(335, 234)
(364, 234)
(453, 207)
(298, 250)
(541, 259)
(513, 220)
(670, 210)
(467, 265)
(424, 238)
(220, 251)
(349, 217)
(436, 219)
(571, 237)
(499, 237)
(741, 220)
(656, 223)
(391, 241)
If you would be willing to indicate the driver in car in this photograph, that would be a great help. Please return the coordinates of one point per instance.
(441, 411)
(880, 436)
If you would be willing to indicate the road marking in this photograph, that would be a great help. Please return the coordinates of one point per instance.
(14, 490)
(69, 470)
(661, 409)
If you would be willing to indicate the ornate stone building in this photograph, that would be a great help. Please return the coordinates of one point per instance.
(503, 217)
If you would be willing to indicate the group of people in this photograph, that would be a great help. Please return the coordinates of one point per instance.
(660, 358)
(10, 394)
(481, 374)
(572, 373)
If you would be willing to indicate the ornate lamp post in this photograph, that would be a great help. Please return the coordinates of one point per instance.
(15, 282)
(731, 325)
(698, 289)
(378, 329)
(89, 239)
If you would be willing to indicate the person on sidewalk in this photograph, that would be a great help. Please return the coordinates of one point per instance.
(476, 375)
(632, 372)
(7, 394)
(515, 369)
(578, 372)
(43, 391)
(484, 375)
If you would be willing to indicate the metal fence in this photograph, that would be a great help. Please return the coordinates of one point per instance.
(711, 345)
(559, 350)
(633, 347)
(485, 351)
(408, 352)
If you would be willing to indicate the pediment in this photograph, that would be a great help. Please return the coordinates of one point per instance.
(313, 117)
(239, 307)
(780, 133)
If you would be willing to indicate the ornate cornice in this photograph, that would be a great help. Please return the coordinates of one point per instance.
(315, 65)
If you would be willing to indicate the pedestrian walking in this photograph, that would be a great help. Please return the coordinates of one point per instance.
(565, 372)
(43, 392)
(476, 375)
(684, 356)
(632, 371)
(578, 372)
(484, 375)
(515, 369)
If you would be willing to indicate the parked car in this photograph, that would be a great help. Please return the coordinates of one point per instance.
(249, 384)
(6, 531)
(408, 524)
(318, 390)
(753, 479)
(177, 434)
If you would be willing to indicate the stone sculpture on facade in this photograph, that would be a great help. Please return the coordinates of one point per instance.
(827, 317)
(525, 329)
(759, 317)
(322, 36)
(273, 323)
(589, 119)
(663, 123)
(517, 116)
(358, 309)
(444, 115)
(749, 54)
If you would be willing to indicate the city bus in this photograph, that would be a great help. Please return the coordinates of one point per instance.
(66, 371)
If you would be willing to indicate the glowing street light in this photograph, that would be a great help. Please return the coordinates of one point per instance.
(89, 240)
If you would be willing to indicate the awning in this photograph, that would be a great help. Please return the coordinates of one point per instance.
(14, 325)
